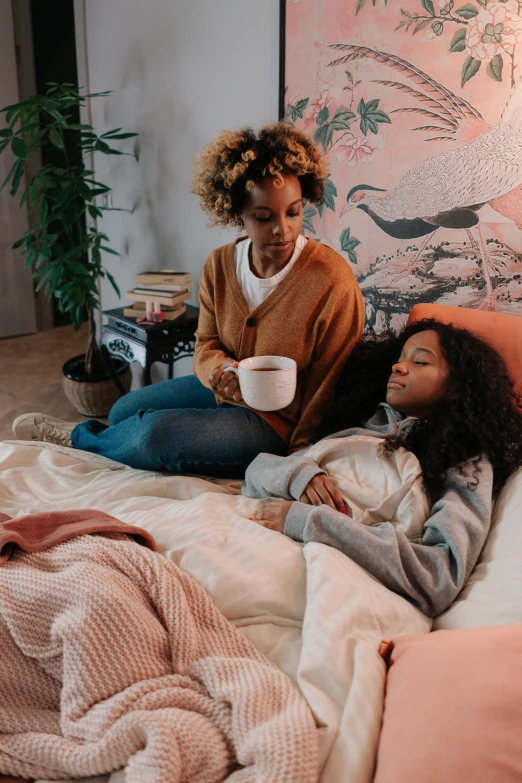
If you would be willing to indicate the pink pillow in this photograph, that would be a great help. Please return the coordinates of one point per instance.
(453, 708)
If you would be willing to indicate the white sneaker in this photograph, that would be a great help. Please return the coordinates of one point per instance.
(38, 426)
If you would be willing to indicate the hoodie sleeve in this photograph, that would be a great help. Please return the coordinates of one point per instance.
(429, 571)
(269, 476)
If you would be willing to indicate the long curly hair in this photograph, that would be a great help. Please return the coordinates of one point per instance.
(228, 168)
(479, 416)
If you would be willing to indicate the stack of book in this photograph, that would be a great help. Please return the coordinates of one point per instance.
(164, 291)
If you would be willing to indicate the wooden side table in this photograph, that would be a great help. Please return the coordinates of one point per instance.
(148, 343)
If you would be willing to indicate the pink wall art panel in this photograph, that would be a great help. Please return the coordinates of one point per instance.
(418, 106)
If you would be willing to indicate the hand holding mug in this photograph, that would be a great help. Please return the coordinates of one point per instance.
(224, 383)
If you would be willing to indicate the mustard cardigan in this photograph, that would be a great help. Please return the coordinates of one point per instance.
(315, 316)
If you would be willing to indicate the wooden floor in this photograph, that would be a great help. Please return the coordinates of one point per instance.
(31, 374)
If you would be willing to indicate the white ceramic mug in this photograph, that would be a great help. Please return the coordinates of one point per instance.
(267, 383)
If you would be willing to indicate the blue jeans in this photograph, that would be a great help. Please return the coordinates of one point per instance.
(177, 426)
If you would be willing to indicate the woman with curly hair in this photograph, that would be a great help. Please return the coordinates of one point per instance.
(271, 292)
(450, 401)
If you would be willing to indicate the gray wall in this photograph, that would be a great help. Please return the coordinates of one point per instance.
(180, 70)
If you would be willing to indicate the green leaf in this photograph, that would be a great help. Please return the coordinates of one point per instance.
(341, 118)
(495, 66)
(6, 133)
(323, 115)
(467, 11)
(458, 42)
(95, 212)
(348, 245)
(18, 243)
(370, 116)
(111, 251)
(101, 146)
(330, 193)
(469, 68)
(19, 148)
(55, 138)
(112, 281)
(119, 135)
(308, 214)
(44, 213)
(300, 106)
(17, 176)
(428, 6)
(323, 135)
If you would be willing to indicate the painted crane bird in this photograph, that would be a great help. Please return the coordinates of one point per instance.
(448, 189)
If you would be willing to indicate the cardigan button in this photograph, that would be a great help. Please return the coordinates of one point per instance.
(251, 322)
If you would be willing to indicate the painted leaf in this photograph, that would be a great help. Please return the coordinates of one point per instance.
(495, 67)
(469, 68)
(428, 6)
(291, 113)
(483, 3)
(341, 118)
(19, 148)
(348, 245)
(360, 4)
(467, 11)
(330, 192)
(323, 115)
(458, 42)
(301, 105)
(323, 135)
(421, 25)
(308, 214)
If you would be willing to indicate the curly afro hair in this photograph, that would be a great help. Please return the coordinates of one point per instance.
(480, 414)
(230, 166)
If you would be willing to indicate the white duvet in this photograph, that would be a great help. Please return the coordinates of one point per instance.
(316, 614)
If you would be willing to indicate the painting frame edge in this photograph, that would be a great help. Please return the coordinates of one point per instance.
(282, 59)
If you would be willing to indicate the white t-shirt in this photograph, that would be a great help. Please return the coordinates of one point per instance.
(256, 289)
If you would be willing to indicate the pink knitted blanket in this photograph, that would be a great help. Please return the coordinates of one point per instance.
(113, 657)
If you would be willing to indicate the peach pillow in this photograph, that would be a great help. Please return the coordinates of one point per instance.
(453, 708)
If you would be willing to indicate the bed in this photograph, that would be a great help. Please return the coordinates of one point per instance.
(314, 613)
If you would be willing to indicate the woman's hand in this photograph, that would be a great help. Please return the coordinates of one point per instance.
(226, 384)
(272, 514)
(321, 489)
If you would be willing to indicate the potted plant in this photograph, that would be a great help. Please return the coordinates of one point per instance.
(63, 245)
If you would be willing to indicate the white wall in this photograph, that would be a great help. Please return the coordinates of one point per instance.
(181, 70)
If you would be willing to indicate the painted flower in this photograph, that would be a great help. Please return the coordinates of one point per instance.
(494, 28)
(322, 102)
(358, 149)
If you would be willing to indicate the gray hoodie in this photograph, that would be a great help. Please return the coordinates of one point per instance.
(430, 570)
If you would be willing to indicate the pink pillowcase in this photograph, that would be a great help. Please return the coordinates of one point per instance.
(453, 708)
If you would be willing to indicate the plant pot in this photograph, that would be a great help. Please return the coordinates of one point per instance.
(94, 395)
